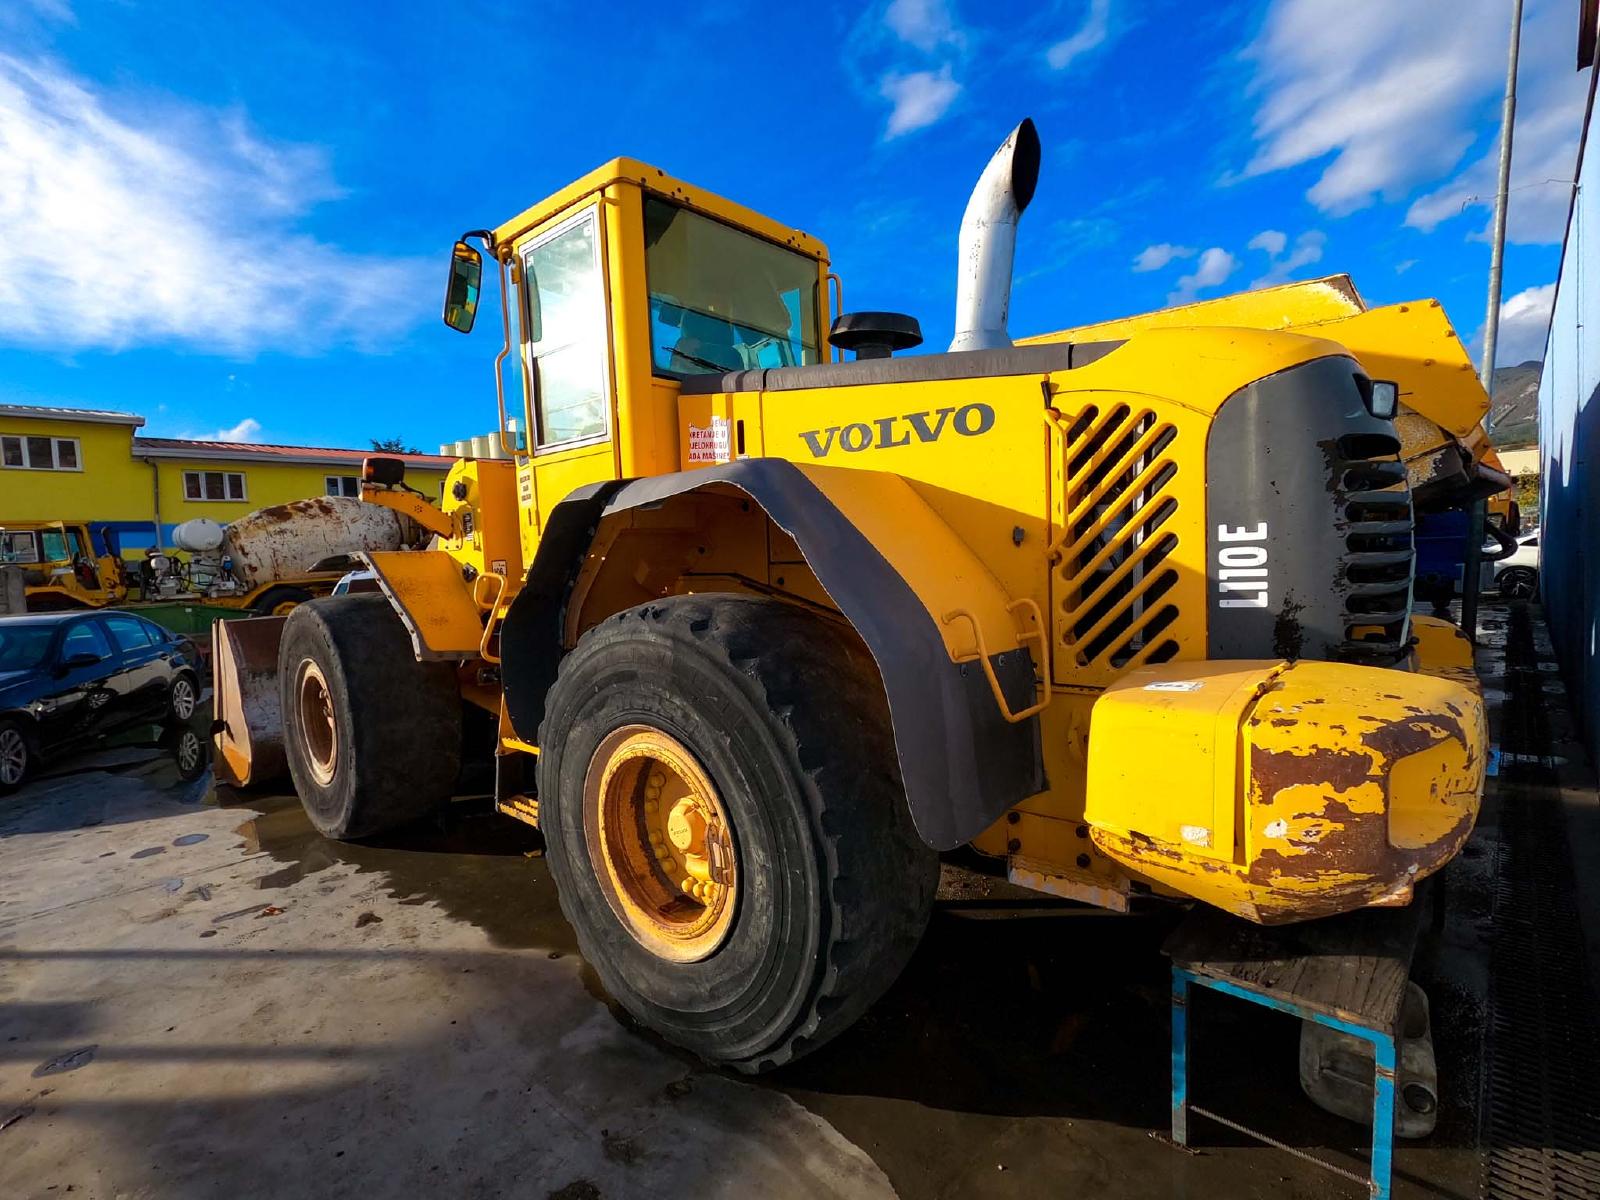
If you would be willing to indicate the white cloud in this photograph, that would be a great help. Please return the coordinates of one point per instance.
(1404, 265)
(919, 99)
(925, 24)
(247, 430)
(1389, 90)
(1214, 267)
(127, 226)
(1090, 34)
(1153, 258)
(1281, 267)
(1524, 324)
(1550, 103)
(1271, 240)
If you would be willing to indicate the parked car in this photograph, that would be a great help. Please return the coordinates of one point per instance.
(1517, 576)
(364, 580)
(67, 679)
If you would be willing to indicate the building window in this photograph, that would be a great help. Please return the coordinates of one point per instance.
(213, 485)
(32, 453)
(341, 485)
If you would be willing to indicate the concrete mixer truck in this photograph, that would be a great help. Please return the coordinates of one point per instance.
(265, 563)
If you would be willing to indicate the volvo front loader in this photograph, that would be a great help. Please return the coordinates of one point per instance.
(765, 631)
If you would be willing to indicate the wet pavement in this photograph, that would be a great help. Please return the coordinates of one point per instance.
(199, 996)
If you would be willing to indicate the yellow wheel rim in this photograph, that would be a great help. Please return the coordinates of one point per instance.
(317, 723)
(660, 843)
(284, 607)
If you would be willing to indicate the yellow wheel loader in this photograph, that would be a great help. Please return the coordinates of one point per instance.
(61, 566)
(765, 629)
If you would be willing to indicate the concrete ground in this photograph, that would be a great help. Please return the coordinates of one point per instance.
(200, 997)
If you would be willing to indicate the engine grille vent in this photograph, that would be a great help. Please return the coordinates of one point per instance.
(1111, 555)
(1375, 517)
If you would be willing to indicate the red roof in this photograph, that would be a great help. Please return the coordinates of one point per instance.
(263, 452)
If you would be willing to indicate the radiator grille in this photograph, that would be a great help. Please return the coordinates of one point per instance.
(1375, 513)
(1111, 555)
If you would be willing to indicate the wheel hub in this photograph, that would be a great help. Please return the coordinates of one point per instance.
(660, 843)
(317, 722)
(686, 826)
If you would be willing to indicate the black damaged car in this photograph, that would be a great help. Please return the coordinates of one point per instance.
(68, 679)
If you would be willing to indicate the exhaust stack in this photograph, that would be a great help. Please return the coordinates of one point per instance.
(989, 241)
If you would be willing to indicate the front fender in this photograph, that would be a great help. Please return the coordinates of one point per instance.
(893, 568)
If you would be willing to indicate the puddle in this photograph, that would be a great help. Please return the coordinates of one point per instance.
(69, 1061)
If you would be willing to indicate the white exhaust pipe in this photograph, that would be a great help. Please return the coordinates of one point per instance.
(989, 241)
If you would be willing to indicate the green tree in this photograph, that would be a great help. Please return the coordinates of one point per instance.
(393, 445)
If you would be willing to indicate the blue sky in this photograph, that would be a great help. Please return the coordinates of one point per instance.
(236, 217)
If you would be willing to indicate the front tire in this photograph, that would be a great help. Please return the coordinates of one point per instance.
(777, 887)
(373, 737)
(16, 756)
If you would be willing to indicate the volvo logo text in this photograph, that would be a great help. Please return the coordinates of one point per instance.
(885, 433)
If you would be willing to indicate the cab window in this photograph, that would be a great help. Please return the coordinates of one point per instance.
(55, 545)
(18, 547)
(564, 302)
(722, 299)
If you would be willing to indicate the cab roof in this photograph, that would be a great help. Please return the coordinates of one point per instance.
(631, 170)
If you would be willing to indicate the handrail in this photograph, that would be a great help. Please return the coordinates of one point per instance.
(489, 607)
(981, 656)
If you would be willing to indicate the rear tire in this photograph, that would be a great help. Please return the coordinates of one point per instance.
(1518, 583)
(185, 697)
(279, 601)
(784, 713)
(373, 737)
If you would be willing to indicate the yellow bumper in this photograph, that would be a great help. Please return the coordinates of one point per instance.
(1283, 792)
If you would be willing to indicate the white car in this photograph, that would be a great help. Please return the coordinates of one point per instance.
(1517, 577)
(364, 580)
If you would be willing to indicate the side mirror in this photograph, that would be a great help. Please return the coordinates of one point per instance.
(83, 659)
(461, 293)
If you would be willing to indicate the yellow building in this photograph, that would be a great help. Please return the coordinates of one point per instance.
(89, 465)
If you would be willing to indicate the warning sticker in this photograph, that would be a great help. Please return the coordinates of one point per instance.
(710, 444)
(1175, 685)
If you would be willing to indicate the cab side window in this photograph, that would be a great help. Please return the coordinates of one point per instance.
(566, 319)
(85, 637)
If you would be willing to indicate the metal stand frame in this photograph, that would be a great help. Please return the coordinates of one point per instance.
(1383, 1051)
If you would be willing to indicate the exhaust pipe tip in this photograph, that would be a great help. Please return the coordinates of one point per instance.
(988, 241)
(1024, 162)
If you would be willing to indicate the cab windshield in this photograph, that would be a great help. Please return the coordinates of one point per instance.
(722, 299)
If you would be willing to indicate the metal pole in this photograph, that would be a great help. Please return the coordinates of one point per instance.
(1497, 244)
(1491, 325)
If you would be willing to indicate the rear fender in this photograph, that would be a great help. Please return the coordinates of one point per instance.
(893, 569)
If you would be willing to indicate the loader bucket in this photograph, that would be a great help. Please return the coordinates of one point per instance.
(248, 731)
